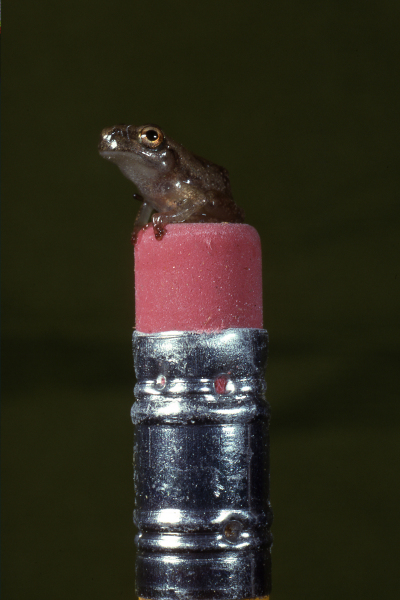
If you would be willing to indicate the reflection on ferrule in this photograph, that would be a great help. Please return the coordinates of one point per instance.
(169, 515)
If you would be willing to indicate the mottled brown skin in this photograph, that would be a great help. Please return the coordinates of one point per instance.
(178, 185)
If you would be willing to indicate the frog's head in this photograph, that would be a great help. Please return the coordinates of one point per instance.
(140, 152)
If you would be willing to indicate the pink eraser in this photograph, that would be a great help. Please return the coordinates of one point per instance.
(198, 277)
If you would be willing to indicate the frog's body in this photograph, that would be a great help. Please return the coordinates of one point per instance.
(180, 186)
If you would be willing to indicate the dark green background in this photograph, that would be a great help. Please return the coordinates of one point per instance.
(298, 101)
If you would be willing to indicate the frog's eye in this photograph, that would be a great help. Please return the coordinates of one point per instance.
(151, 136)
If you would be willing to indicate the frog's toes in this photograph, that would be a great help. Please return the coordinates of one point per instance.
(159, 230)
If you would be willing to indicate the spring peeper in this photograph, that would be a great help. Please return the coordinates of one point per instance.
(178, 185)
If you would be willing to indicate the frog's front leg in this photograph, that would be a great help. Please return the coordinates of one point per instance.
(142, 218)
(181, 215)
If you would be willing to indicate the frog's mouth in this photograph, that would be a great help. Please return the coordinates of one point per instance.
(134, 167)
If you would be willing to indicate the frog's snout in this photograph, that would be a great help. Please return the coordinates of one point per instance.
(106, 132)
(114, 137)
(110, 136)
(114, 130)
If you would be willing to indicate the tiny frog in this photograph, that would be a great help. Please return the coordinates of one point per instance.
(178, 185)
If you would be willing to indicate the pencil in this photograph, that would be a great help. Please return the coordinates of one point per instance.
(201, 441)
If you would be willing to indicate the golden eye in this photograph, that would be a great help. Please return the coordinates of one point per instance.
(151, 136)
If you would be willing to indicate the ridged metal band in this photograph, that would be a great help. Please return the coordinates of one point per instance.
(201, 472)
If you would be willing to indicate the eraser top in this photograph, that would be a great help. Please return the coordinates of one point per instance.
(198, 277)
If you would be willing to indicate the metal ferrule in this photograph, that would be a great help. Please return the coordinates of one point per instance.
(201, 465)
